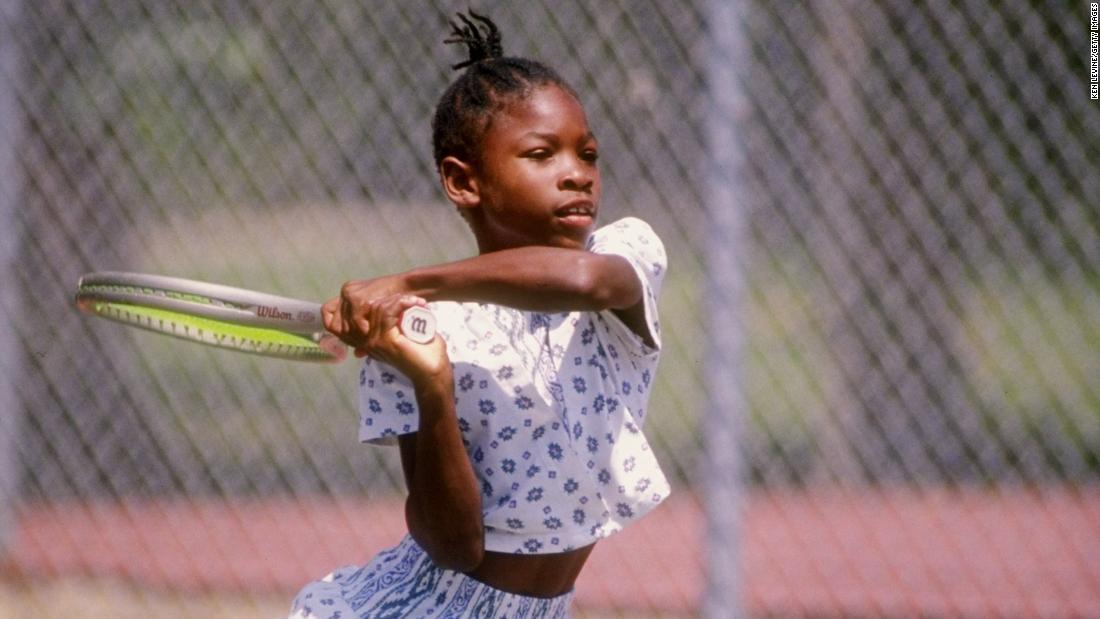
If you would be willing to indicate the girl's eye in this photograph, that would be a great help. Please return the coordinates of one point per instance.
(538, 153)
(590, 156)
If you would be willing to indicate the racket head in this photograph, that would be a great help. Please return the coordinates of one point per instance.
(211, 314)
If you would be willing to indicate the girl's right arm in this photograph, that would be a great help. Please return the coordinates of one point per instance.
(443, 509)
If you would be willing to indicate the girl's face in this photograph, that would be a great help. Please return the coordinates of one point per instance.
(538, 179)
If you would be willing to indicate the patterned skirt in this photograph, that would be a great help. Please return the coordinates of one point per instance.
(402, 582)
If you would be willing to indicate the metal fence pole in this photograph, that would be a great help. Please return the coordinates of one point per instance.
(725, 283)
(9, 183)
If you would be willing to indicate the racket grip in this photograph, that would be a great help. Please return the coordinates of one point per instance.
(418, 324)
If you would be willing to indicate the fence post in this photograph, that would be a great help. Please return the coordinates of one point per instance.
(723, 498)
(10, 409)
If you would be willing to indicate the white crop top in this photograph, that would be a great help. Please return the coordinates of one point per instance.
(550, 406)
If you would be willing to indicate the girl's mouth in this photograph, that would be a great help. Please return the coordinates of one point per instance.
(577, 212)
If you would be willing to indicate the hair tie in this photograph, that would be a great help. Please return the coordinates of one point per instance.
(481, 43)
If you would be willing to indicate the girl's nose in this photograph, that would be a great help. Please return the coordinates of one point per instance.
(577, 178)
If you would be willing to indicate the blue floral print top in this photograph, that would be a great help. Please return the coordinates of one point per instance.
(551, 408)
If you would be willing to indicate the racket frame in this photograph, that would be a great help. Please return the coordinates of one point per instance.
(215, 301)
(121, 295)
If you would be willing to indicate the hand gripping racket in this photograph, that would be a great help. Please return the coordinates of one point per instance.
(224, 316)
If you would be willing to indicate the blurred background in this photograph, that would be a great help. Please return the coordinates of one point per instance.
(880, 388)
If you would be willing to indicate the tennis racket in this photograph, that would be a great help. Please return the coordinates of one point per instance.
(224, 316)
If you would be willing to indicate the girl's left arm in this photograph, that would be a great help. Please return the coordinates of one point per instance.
(546, 279)
(542, 279)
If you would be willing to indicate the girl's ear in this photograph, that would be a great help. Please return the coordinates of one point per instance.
(459, 182)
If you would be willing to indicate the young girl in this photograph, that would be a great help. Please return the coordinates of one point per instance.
(519, 425)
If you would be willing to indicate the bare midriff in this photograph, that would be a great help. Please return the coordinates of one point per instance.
(542, 576)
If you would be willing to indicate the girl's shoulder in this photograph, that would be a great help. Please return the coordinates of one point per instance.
(632, 238)
(625, 227)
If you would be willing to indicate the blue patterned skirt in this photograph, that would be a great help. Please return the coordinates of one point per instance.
(402, 582)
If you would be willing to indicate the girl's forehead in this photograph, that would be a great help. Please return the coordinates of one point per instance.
(548, 106)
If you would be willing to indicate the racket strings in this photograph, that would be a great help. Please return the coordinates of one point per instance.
(245, 339)
(161, 293)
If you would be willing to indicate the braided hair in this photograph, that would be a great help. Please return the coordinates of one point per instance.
(489, 82)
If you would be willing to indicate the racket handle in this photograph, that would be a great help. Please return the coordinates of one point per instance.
(418, 324)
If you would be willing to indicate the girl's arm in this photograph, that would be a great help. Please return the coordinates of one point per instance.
(545, 279)
(443, 509)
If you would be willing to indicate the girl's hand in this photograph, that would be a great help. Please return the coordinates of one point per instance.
(345, 316)
(376, 332)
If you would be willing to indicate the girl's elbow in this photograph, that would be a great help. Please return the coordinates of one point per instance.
(602, 295)
(461, 554)
(458, 548)
(606, 282)
(591, 287)
(466, 560)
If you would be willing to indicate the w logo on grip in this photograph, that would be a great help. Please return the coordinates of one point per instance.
(418, 324)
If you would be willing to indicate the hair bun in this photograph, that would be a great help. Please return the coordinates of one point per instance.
(482, 43)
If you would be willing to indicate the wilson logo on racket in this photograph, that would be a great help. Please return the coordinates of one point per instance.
(264, 311)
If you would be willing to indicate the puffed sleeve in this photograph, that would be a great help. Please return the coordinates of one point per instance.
(387, 399)
(635, 240)
(387, 404)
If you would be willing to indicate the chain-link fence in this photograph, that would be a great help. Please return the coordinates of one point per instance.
(883, 222)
